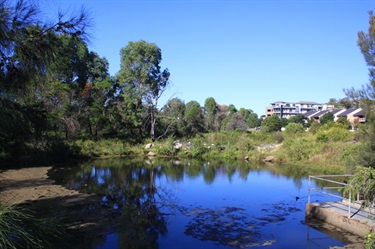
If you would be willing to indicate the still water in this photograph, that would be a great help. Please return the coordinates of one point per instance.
(195, 204)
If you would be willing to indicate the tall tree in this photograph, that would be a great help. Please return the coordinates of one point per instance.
(210, 109)
(193, 118)
(366, 96)
(140, 70)
(253, 120)
(173, 115)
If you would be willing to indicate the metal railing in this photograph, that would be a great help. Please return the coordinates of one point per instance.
(340, 186)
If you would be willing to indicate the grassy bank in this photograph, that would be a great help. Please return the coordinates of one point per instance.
(329, 149)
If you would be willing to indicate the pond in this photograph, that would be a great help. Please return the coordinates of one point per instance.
(195, 204)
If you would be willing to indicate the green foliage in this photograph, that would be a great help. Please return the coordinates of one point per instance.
(141, 72)
(277, 137)
(198, 147)
(362, 183)
(333, 132)
(271, 124)
(298, 119)
(211, 109)
(253, 120)
(351, 155)
(299, 148)
(370, 243)
(328, 117)
(236, 122)
(294, 129)
(193, 120)
(314, 127)
(284, 122)
(20, 229)
(345, 122)
(105, 147)
(166, 147)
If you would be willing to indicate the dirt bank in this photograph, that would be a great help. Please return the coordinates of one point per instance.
(31, 184)
(81, 213)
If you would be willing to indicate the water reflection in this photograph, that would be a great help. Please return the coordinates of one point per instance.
(186, 204)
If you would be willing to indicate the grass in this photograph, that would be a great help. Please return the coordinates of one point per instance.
(19, 228)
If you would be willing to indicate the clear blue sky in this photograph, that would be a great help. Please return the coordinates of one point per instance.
(243, 52)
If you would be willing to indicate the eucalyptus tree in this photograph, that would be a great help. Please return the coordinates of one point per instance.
(193, 119)
(365, 97)
(236, 122)
(253, 120)
(141, 75)
(173, 114)
(210, 110)
(229, 111)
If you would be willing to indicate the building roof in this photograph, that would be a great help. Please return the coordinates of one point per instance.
(309, 113)
(308, 102)
(359, 114)
(348, 111)
(334, 111)
(319, 114)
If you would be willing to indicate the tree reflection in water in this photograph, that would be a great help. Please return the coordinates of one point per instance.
(141, 206)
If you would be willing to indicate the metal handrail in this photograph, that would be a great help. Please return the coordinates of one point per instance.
(323, 178)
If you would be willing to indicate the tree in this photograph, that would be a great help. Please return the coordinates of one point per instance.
(298, 119)
(231, 109)
(365, 97)
(271, 123)
(294, 128)
(140, 70)
(347, 103)
(97, 68)
(333, 101)
(284, 122)
(173, 113)
(193, 118)
(236, 122)
(253, 120)
(210, 109)
(28, 45)
(326, 118)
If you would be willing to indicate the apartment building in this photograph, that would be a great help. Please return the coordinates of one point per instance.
(290, 109)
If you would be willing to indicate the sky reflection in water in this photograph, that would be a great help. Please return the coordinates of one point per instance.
(203, 205)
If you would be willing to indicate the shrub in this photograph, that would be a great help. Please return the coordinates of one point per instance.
(197, 148)
(351, 155)
(298, 149)
(314, 127)
(362, 183)
(334, 134)
(294, 128)
(166, 147)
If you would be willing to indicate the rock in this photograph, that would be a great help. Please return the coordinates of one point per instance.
(151, 154)
(148, 146)
(269, 159)
(246, 158)
(177, 146)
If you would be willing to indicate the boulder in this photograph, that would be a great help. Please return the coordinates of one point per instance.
(151, 154)
(148, 146)
(177, 146)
